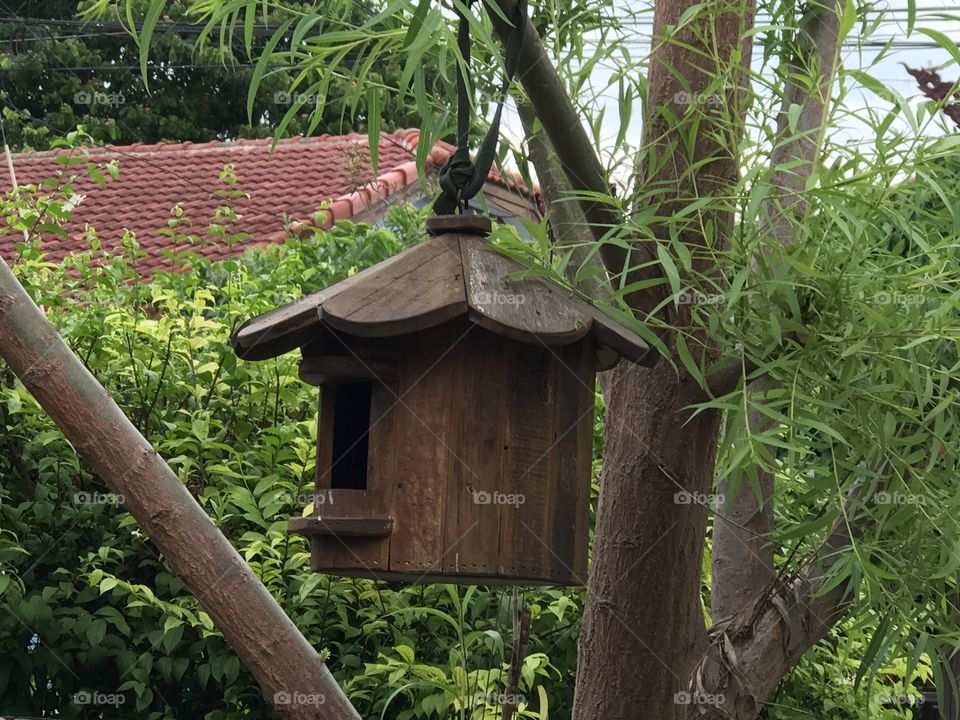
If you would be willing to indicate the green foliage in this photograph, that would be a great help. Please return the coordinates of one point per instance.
(89, 607)
(55, 77)
(855, 321)
(826, 685)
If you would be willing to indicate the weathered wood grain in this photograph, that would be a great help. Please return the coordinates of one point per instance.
(452, 224)
(329, 369)
(573, 435)
(421, 455)
(286, 328)
(525, 309)
(343, 527)
(472, 515)
(529, 464)
(423, 290)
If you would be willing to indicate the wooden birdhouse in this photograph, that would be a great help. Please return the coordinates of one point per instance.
(456, 414)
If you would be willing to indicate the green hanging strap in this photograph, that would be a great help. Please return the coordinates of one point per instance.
(461, 178)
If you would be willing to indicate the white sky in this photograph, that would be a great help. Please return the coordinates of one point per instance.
(916, 50)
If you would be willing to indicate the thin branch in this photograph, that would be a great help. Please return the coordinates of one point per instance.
(568, 226)
(521, 636)
(743, 562)
(564, 127)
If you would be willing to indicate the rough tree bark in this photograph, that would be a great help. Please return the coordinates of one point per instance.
(643, 628)
(750, 653)
(287, 667)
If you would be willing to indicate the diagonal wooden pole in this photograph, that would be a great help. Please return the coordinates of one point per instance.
(288, 669)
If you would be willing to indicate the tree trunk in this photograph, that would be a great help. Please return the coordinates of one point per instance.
(750, 653)
(643, 630)
(287, 667)
(742, 558)
(643, 624)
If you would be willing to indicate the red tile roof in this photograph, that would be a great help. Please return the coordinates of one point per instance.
(295, 180)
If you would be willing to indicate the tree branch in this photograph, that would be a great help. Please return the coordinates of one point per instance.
(567, 223)
(742, 553)
(563, 126)
(751, 652)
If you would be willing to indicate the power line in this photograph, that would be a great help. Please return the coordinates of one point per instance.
(260, 31)
(265, 30)
(162, 66)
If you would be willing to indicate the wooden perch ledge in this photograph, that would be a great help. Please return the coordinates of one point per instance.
(372, 527)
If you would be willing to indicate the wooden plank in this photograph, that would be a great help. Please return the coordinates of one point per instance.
(325, 438)
(278, 331)
(343, 527)
(421, 460)
(467, 224)
(332, 552)
(525, 309)
(326, 369)
(422, 291)
(528, 470)
(506, 202)
(535, 308)
(574, 454)
(478, 427)
(423, 578)
(610, 334)
(380, 461)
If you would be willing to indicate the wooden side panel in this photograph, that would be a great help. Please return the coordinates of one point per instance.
(325, 438)
(421, 461)
(332, 553)
(475, 491)
(574, 453)
(525, 516)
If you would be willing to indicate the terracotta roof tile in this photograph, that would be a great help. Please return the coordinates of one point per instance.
(294, 179)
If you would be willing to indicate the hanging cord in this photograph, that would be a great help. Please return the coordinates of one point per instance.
(461, 178)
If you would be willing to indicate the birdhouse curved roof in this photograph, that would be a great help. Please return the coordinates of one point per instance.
(453, 273)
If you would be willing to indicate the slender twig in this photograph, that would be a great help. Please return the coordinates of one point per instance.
(521, 636)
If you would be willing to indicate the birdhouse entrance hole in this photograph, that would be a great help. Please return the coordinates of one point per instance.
(351, 430)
